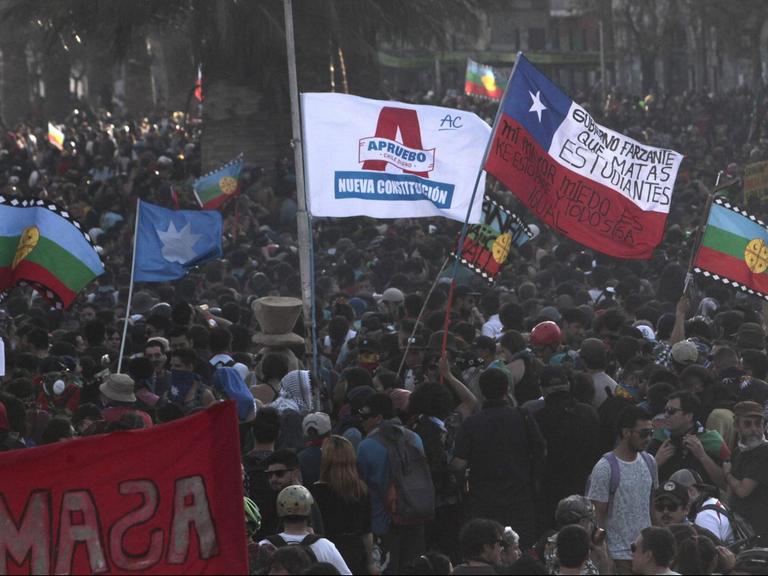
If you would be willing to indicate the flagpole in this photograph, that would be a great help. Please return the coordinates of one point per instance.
(421, 313)
(236, 223)
(130, 287)
(463, 235)
(700, 234)
(302, 218)
(313, 313)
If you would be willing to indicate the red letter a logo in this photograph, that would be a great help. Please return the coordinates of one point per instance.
(390, 119)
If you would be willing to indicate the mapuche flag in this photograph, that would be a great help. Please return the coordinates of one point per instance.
(485, 81)
(487, 245)
(734, 249)
(595, 186)
(55, 136)
(216, 187)
(41, 245)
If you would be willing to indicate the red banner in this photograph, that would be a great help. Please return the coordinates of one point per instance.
(164, 500)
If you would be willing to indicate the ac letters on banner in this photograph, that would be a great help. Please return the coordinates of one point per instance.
(165, 500)
(387, 159)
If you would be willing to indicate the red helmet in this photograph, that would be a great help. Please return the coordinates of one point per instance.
(546, 334)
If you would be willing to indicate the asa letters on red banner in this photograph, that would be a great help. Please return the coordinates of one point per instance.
(164, 500)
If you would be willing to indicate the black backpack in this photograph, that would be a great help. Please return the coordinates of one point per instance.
(306, 543)
(743, 533)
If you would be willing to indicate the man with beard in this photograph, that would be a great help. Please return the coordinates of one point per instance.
(747, 475)
(621, 485)
(156, 352)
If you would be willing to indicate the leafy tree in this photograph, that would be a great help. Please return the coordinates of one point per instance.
(241, 46)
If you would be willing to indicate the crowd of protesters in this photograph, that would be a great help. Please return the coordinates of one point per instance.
(581, 416)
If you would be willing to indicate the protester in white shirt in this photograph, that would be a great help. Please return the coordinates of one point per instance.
(710, 512)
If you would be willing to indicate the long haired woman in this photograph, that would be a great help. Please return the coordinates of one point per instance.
(343, 501)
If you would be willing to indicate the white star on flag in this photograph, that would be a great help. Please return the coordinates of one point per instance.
(178, 244)
(536, 104)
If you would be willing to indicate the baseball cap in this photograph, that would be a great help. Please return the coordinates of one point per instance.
(317, 423)
(550, 313)
(687, 478)
(647, 332)
(672, 491)
(685, 352)
(369, 345)
(379, 404)
(394, 295)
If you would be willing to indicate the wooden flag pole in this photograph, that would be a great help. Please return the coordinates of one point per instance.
(465, 227)
(421, 313)
(700, 235)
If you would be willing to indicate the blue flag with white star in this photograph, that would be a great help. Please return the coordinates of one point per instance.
(169, 242)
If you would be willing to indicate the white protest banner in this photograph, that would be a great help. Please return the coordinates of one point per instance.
(391, 160)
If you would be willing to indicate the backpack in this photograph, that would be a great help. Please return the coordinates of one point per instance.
(741, 528)
(613, 483)
(277, 541)
(410, 497)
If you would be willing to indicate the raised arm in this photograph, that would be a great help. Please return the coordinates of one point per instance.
(678, 330)
(468, 400)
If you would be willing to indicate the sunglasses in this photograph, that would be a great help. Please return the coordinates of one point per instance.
(278, 473)
(633, 547)
(669, 506)
(672, 411)
(644, 433)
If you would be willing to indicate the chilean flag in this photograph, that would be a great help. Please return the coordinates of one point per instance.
(595, 186)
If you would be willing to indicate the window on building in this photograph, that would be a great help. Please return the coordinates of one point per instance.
(577, 39)
(502, 32)
(537, 38)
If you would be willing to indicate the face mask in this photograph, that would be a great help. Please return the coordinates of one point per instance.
(182, 377)
(181, 382)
